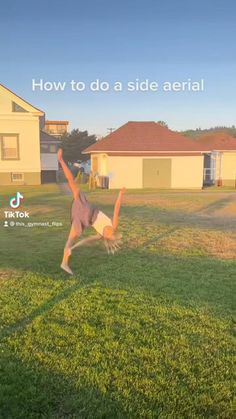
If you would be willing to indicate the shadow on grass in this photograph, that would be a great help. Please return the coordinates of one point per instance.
(186, 280)
(181, 219)
(191, 282)
(202, 218)
(117, 353)
(30, 391)
(218, 205)
(39, 311)
(152, 282)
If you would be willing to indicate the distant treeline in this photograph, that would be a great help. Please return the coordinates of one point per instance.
(194, 133)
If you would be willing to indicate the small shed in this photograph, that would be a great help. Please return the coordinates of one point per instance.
(147, 155)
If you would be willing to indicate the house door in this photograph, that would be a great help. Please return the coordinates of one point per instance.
(209, 175)
(157, 173)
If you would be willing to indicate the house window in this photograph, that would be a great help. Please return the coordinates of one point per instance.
(10, 146)
(48, 148)
(17, 108)
(17, 177)
(52, 148)
(44, 148)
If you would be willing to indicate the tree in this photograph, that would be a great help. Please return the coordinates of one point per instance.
(194, 133)
(74, 143)
(163, 123)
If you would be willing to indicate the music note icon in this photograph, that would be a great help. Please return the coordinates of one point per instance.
(16, 200)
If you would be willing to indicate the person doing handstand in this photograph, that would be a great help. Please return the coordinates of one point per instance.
(84, 215)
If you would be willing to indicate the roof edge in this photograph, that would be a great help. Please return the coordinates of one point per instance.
(21, 98)
(144, 152)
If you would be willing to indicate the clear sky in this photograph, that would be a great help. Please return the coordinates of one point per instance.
(123, 40)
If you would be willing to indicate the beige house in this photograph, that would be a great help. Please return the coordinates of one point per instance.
(148, 155)
(20, 139)
(219, 158)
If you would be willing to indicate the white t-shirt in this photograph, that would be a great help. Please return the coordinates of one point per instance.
(101, 221)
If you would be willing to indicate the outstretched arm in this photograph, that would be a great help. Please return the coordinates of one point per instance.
(117, 209)
(86, 241)
(73, 186)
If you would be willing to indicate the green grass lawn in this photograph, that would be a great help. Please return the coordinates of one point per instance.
(146, 333)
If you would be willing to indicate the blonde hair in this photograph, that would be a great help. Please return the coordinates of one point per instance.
(113, 245)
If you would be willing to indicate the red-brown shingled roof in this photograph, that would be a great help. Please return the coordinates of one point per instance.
(220, 141)
(138, 137)
(47, 122)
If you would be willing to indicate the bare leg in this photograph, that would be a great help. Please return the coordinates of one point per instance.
(86, 241)
(67, 250)
(117, 209)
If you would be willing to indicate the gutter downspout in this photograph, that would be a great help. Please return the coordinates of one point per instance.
(219, 182)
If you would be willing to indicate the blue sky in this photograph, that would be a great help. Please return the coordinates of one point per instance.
(125, 40)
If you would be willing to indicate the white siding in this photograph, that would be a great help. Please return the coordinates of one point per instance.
(49, 161)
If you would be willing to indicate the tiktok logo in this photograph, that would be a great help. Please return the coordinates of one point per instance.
(16, 200)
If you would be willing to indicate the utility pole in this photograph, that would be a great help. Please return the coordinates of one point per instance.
(110, 130)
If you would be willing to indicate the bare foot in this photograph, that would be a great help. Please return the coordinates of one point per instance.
(66, 268)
